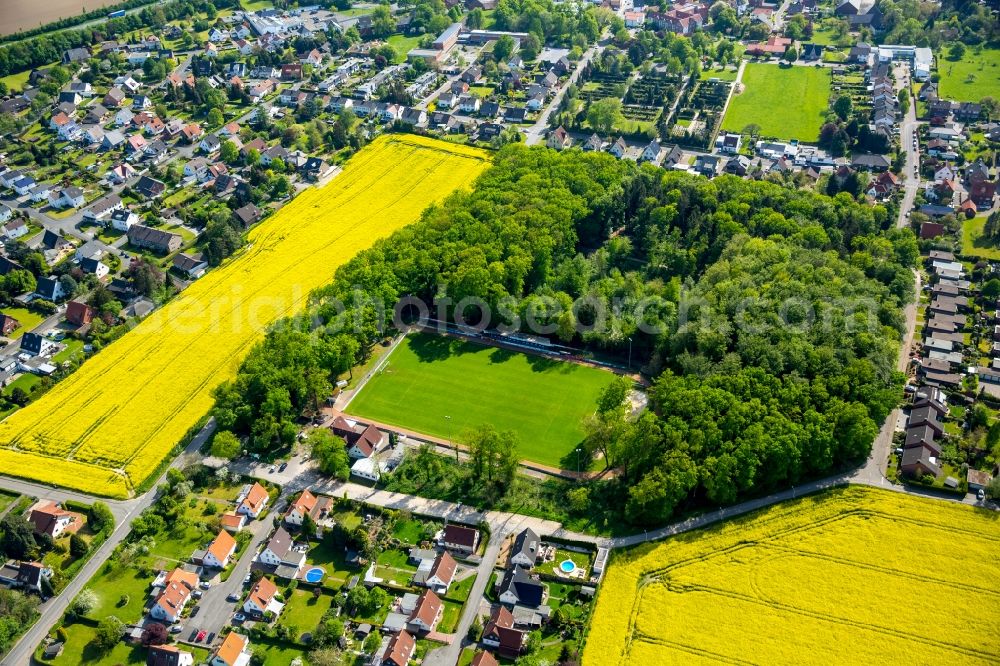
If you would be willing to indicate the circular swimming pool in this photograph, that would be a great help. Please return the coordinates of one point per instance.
(314, 575)
(567, 566)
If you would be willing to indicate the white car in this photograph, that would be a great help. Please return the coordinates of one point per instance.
(176, 629)
(981, 495)
(239, 617)
(204, 585)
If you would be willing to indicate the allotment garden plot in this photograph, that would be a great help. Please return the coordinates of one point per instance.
(429, 378)
(854, 575)
(785, 102)
(108, 426)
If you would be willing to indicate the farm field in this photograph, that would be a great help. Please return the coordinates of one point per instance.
(854, 575)
(765, 86)
(429, 377)
(975, 76)
(106, 428)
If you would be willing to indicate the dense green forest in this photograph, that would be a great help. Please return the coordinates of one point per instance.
(768, 319)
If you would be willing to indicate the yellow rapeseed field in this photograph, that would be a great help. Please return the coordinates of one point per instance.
(852, 576)
(108, 426)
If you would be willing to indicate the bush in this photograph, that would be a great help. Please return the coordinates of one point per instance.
(84, 603)
(78, 546)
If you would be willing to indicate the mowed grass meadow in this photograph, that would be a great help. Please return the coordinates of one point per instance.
(975, 76)
(785, 102)
(429, 377)
(849, 576)
(107, 427)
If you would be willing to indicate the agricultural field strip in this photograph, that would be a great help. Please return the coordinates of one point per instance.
(43, 432)
(654, 578)
(659, 577)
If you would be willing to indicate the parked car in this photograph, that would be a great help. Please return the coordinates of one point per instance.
(201, 636)
(176, 629)
(233, 597)
(246, 579)
(981, 495)
(204, 585)
(239, 617)
(282, 467)
(194, 611)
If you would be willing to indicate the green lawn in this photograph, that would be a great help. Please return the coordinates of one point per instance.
(110, 585)
(16, 81)
(429, 377)
(725, 74)
(26, 382)
(409, 531)
(6, 499)
(765, 86)
(973, 243)
(73, 347)
(403, 44)
(303, 610)
(975, 76)
(449, 618)
(27, 318)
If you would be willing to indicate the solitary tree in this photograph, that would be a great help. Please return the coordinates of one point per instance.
(604, 114)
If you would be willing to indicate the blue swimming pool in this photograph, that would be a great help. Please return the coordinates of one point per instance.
(314, 575)
(567, 566)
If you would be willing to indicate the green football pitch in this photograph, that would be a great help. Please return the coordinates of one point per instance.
(430, 377)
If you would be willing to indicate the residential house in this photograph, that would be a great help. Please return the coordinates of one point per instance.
(651, 153)
(168, 655)
(441, 573)
(500, 634)
(262, 599)
(173, 595)
(210, 143)
(280, 551)
(460, 538)
(729, 143)
(525, 550)
(194, 266)
(232, 522)
(518, 588)
(67, 197)
(8, 324)
(157, 240)
(149, 188)
(247, 214)
(918, 462)
(306, 504)
(47, 517)
(426, 614)
(234, 651)
(361, 443)
(618, 148)
(219, 551)
(114, 98)
(94, 267)
(398, 651)
(708, 165)
(49, 289)
(15, 228)
(253, 500)
(75, 55)
(123, 220)
(79, 314)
